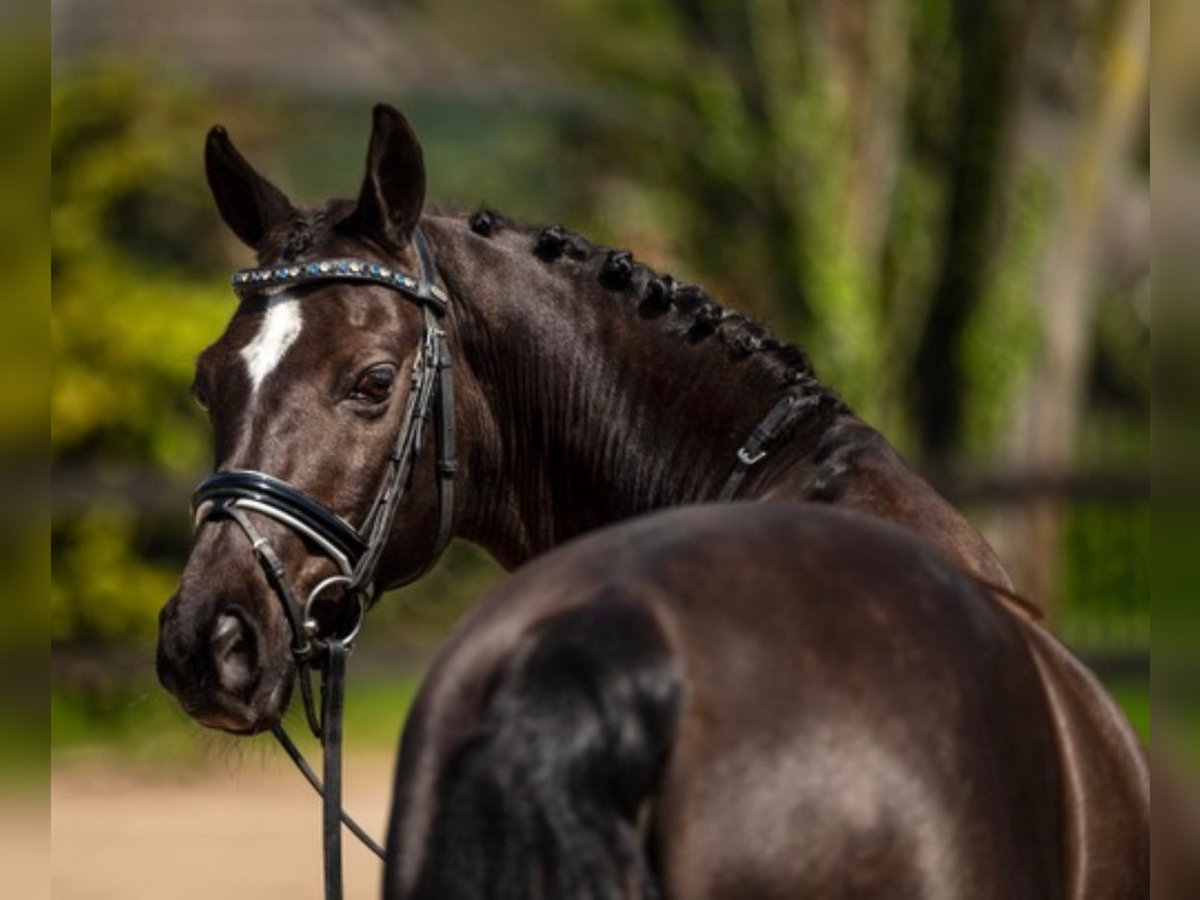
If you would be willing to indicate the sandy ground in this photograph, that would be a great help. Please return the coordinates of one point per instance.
(24, 845)
(247, 828)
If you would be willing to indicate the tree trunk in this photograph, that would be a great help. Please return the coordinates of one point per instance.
(992, 39)
(1047, 438)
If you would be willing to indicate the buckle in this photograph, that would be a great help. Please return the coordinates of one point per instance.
(746, 459)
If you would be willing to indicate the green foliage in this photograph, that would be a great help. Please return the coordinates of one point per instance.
(1000, 341)
(104, 586)
(428, 609)
(23, 76)
(134, 256)
(1106, 581)
(1105, 576)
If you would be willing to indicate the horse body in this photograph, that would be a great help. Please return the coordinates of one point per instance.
(840, 713)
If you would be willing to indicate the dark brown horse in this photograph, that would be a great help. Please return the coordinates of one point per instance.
(589, 390)
(761, 700)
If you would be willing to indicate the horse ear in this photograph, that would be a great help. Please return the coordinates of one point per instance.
(393, 191)
(250, 205)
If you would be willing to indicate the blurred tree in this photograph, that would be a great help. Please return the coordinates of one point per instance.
(872, 175)
(131, 234)
(1099, 160)
(989, 53)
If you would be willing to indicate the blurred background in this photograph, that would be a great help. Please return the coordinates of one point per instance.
(946, 203)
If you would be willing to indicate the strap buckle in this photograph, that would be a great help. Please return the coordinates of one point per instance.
(746, 458)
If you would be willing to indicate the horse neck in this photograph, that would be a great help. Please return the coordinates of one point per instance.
(576, 410)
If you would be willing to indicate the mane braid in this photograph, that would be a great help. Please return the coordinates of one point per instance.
(483, 222)
(659, 294)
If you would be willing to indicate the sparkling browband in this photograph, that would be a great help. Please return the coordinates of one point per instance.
(338, 270)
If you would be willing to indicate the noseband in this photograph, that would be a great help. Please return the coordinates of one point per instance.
(355, 551)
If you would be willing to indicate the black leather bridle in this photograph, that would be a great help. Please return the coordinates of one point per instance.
(356, 551)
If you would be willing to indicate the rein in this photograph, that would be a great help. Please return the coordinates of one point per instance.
(356, 552)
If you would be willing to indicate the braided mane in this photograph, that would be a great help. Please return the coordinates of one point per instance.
(697, 315)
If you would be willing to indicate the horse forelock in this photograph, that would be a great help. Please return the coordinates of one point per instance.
(309, 232)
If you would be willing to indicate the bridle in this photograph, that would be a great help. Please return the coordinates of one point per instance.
(356, 552)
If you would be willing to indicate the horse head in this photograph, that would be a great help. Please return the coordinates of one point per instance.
(318, 393)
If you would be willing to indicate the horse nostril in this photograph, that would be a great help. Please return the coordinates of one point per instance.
(235, 654)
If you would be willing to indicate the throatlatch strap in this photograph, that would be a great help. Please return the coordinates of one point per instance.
(753, 451)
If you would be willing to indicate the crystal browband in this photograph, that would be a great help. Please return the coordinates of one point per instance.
(339, 270)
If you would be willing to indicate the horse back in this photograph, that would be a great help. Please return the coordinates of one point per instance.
(762, 700)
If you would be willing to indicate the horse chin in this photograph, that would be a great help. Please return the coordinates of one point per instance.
(262, 712)
(230, 723)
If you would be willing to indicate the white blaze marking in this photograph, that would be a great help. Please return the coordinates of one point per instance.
(280, 328)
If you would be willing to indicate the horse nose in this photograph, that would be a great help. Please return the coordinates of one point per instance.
(234, 645)
(168, 658)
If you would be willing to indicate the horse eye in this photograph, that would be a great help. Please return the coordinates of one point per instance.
(375, 385)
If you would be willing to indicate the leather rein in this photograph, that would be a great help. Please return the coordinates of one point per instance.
(232, 494)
